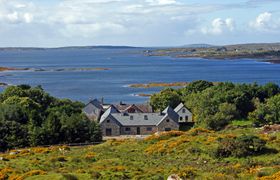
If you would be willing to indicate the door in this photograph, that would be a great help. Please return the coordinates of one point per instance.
(109, 132)
(138, 130)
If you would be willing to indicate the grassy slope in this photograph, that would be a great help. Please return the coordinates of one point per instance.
(188, 155)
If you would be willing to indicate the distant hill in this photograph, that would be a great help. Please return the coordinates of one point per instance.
(67, 47)
(198, 46)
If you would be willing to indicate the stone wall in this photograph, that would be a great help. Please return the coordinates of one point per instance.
(133, 130)
(168, 123)
(113, 125)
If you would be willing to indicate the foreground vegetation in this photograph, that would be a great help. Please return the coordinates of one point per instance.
(196, 154)
(155, 84)
(215, 105)
(218, 147)
(31, 117)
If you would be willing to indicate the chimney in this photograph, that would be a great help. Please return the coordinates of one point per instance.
(102, 100)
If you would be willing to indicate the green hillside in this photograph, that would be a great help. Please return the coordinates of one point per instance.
(195, 154)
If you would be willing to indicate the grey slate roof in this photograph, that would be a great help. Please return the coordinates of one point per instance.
(96, 103)
(179, 107)
(169, 112)
(108, 113)
(146, 108)
(138, 119)
(93, 104)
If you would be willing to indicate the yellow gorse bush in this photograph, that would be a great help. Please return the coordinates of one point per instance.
(275, 176)
(196, 131)
(187, 172)
(164, 135)
(166, 146)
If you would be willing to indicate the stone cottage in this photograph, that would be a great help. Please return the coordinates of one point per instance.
(134, 120)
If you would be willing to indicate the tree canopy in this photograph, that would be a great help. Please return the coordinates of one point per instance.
(214, 106)
(29, 117)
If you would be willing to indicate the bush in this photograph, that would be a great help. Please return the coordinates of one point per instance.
(69, 177)
(240, 147)
(59, 158)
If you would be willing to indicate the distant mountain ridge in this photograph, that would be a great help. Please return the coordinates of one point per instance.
(198, 46)
(248, 46)
(66, 47)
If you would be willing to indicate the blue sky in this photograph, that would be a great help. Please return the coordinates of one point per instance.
(53, 23)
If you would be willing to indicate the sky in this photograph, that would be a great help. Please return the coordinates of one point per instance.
(56, 23)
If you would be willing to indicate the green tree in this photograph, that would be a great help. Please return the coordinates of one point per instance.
(196, 86)
(167, 97)
(267, 113)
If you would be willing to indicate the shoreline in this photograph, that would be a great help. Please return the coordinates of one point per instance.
(158, 84)
(4, 69)
(258, 59)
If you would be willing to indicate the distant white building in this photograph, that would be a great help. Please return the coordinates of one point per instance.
(184, 114)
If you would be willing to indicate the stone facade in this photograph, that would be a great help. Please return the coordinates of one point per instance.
(133, 121)
(168, 124)
(112, 126)
(138, 130)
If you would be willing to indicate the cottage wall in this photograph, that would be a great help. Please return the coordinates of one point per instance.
(92, 112)
(144, 130)
(168, 124)
(110, 124)
(183, 113)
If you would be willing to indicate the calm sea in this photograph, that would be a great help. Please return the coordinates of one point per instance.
(127, 66)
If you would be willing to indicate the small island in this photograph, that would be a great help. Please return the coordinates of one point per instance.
(3, 84)
(12, 69)
(57, 69)
(158, 84)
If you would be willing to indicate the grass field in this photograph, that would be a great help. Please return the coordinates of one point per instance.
(187, 154)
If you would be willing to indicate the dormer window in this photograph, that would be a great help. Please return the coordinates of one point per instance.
(131, 117)
(184, 110)
(145, 117)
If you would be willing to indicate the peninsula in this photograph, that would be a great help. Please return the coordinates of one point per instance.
(268, 52)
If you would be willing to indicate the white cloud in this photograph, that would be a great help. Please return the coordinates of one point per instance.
(265, 22)
(162, 2)
(141, 22)
(13, 12)
(219, 26)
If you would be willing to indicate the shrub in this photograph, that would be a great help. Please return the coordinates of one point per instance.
(95, 175)
(166, 146)
(197, 131)
(187, 172)
(31, 173)
(91, 156)
(164, 135)
(41, 150)
(241, 146)
(275, 176)
(69, 177)
(58, 158)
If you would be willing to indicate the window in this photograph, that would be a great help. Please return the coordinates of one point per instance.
(108, 121)
(186, 118)
(184, 110)
(127, 129)
(149, 129)
(167, 120)
(131, 117)
(167, 129)
(181, 118)
(145, 117)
